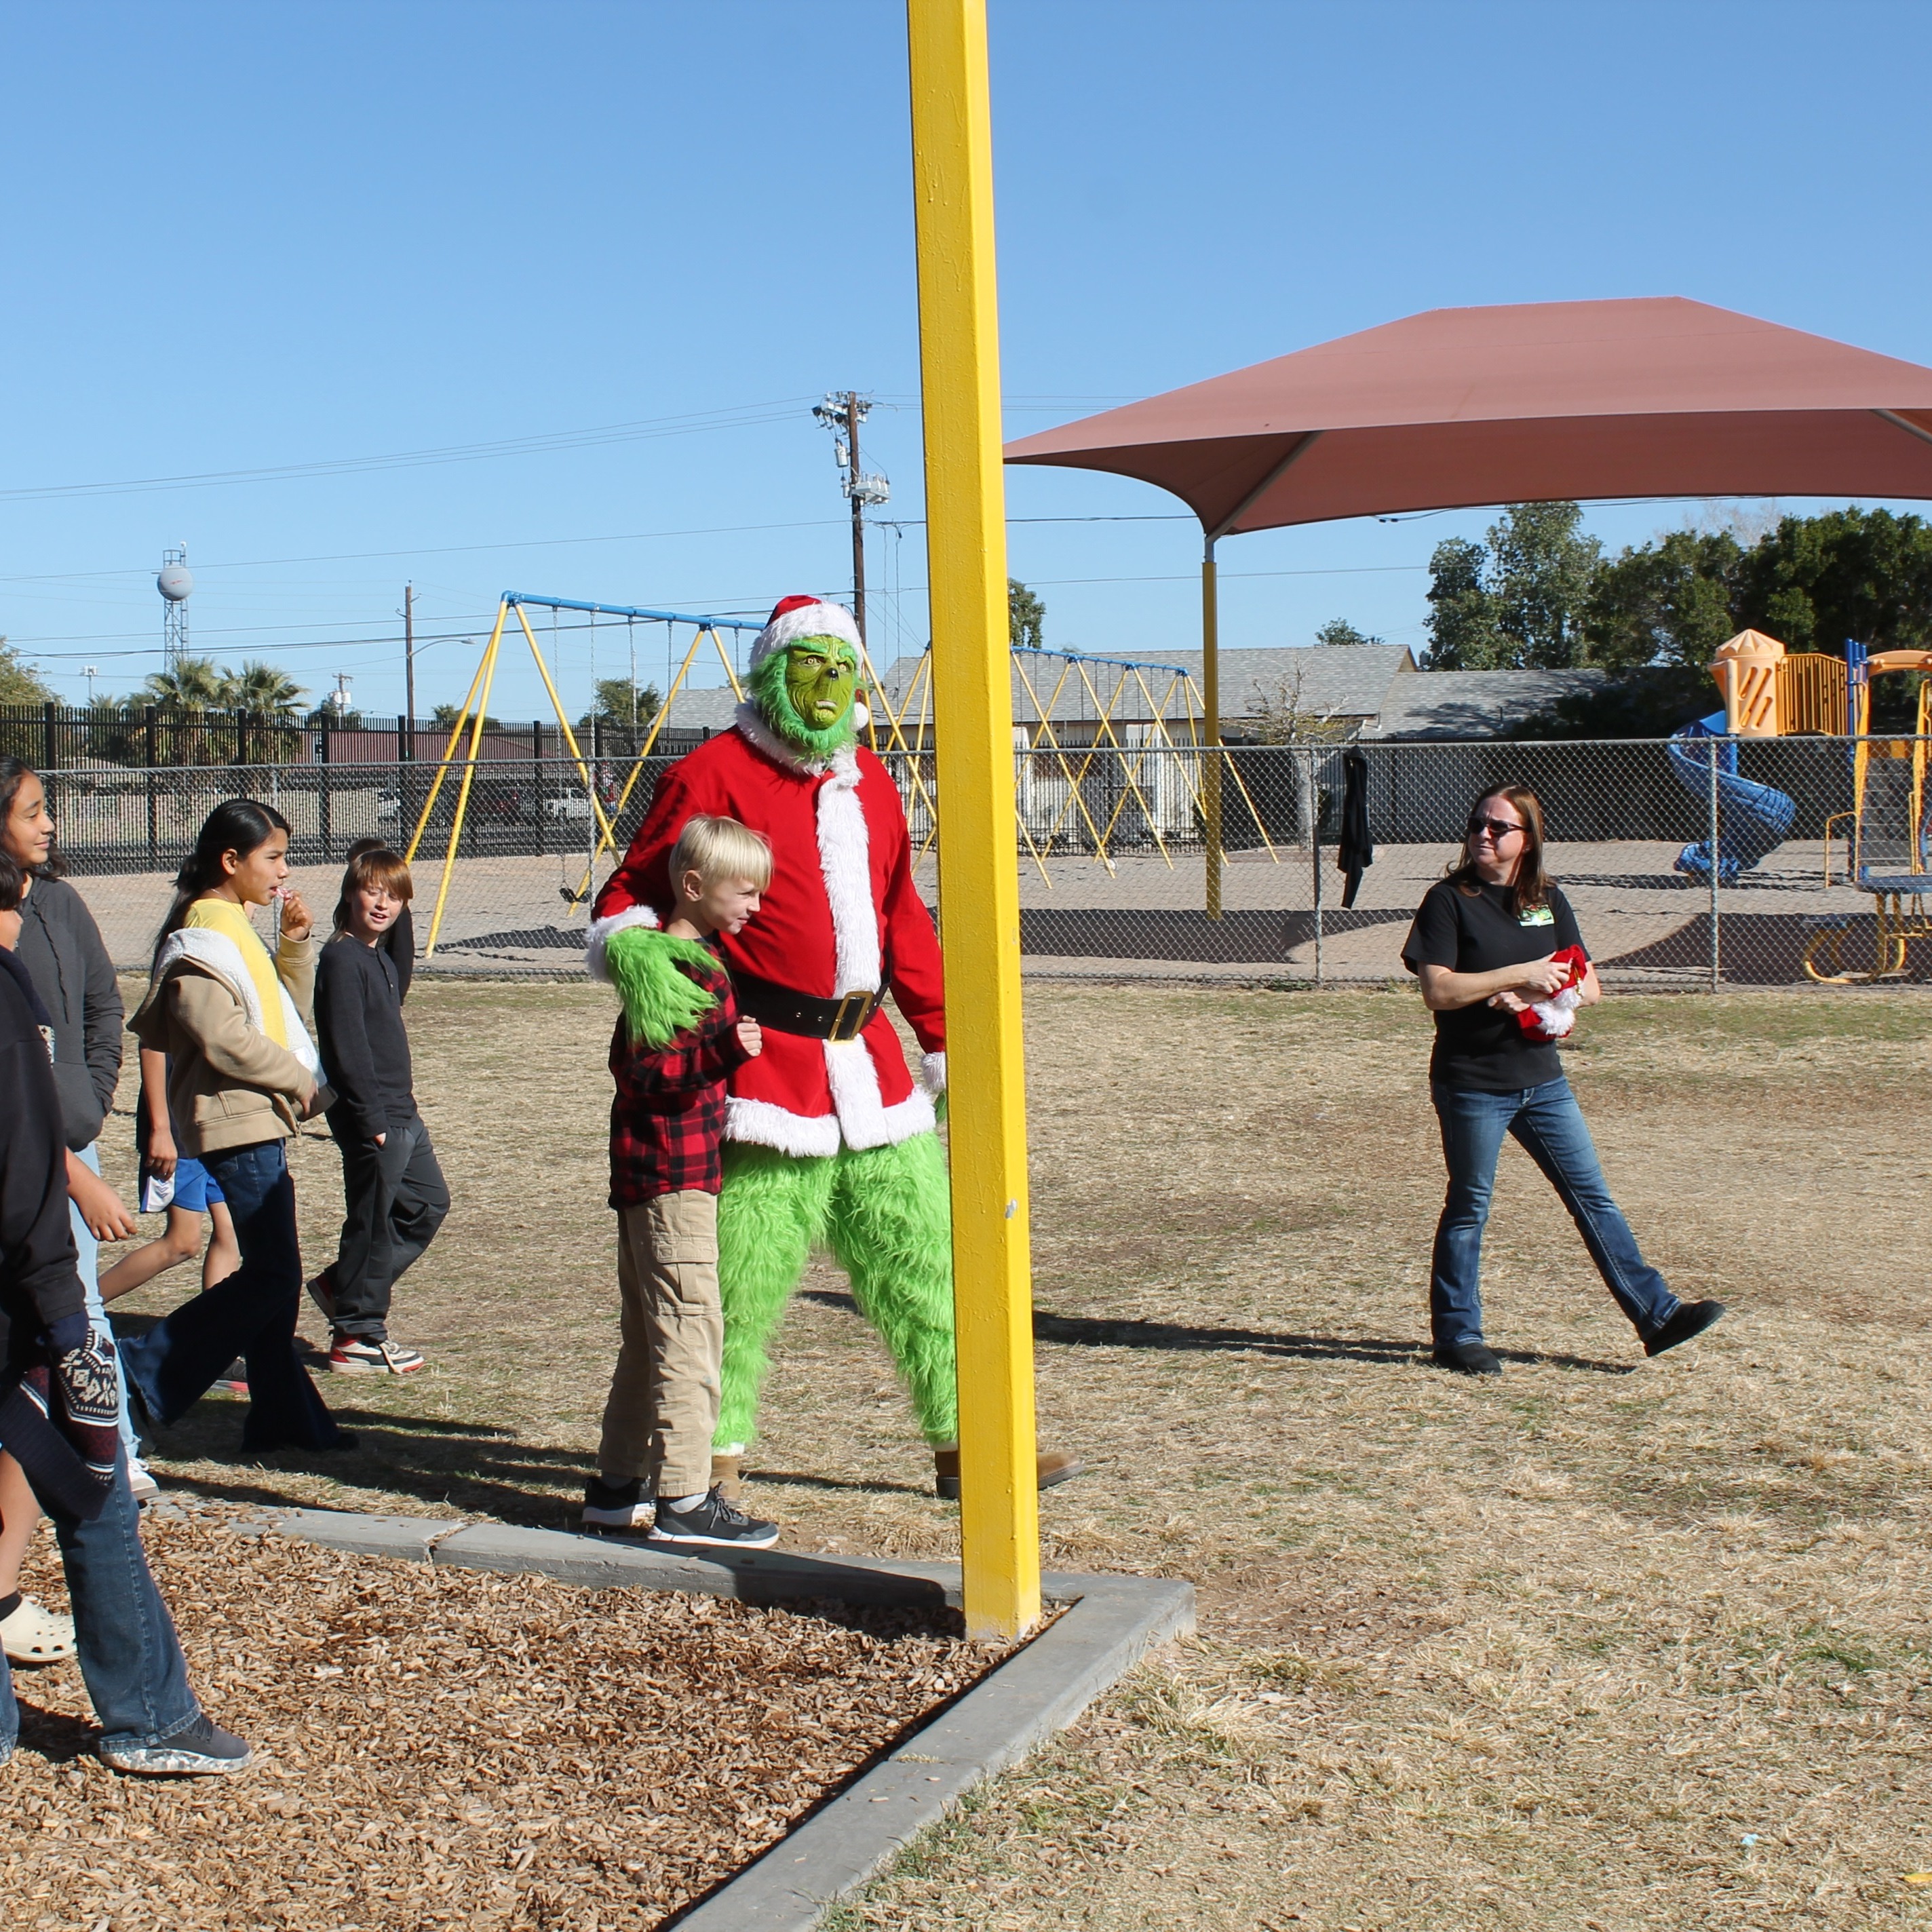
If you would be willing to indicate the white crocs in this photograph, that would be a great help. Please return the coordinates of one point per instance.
(31, 1635)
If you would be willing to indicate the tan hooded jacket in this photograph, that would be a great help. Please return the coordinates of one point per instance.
(230, 1085)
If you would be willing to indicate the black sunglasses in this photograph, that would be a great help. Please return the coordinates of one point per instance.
(1498, 828)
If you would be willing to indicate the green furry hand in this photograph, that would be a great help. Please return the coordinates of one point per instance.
(660, 1002)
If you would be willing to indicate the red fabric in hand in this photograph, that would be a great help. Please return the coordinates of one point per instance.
(1576, 963)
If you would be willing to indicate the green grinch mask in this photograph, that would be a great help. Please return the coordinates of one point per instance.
(805, 694)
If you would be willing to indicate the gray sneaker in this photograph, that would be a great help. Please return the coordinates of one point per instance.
(202, 1749)
(712, 1522)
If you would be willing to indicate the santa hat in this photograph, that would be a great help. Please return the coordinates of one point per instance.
(793, 618)
(1553, 1019)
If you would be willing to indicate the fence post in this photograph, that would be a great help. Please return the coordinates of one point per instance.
(536, 768)
(1716, 956)
(322, 802)
(149, 756)
(49, 753)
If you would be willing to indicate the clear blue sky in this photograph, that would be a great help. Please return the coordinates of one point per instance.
(248, 238)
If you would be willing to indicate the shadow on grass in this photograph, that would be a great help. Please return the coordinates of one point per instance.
(1086, 1332)
(473, 1468)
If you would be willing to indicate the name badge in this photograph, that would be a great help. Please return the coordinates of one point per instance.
(1536, 916)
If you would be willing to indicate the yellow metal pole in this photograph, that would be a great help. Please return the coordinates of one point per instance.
(486, 670)
(1210, 704)
(456, 732)
(979, 870)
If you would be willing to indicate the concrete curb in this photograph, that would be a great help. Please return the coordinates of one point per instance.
(1108, 1624)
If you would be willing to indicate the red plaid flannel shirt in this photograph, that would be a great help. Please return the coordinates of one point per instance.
(667, 1121)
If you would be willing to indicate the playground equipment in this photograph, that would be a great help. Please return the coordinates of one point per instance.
(1120, 787)
(1888, 844)
(1768, 692)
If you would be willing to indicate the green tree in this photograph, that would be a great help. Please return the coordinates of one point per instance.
(1520, 599)
(262, 690)
(1864, 574)
(19, 683)
(613, 701)
(1464, 634)
(1026, 615)
(1338, 632)
(193, 684)
(1670, 602)
(445, 715)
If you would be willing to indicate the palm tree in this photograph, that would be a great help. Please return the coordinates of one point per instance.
(267, 697)
(189, 689)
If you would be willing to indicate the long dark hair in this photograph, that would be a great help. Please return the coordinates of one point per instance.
(1532, 886)
(12, 771)
(242, 825)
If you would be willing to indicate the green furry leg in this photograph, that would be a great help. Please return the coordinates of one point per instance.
(772, 1211)
(890, 1228)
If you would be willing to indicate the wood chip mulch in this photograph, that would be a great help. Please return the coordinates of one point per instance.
(445, 1748)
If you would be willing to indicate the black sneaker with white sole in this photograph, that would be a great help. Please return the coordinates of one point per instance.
(616, 1505)
(202, 1749)
(711, 1520)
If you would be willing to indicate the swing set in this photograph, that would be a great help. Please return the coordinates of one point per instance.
(470, 721)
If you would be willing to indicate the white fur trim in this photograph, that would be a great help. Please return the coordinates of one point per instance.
(762, 1124)
(598, 937)
(808, 620)
(845, 863)
(864, 1119)
(932, 1071)
(216, 953)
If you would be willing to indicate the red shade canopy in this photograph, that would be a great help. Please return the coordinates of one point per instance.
(1538, 402)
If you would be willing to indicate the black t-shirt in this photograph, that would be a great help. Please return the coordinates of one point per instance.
(1481, 1047)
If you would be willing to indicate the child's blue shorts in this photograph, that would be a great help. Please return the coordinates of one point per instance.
(195, 1189)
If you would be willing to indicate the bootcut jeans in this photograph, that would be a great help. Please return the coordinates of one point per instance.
(1547, 1123)
(131, 1659)
(251, 1314)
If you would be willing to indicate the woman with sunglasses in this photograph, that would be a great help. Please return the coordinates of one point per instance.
(1487, 946)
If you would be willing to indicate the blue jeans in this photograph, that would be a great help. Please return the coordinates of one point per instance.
(88, 1250)
(252, 1314)
(1548, 1125)
(130, 1656)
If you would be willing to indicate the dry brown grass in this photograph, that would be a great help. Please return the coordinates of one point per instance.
(1547, 1652)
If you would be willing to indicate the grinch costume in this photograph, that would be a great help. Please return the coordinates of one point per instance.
(830, 1139)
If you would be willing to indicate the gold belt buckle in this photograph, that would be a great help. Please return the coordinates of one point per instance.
(854, 1010)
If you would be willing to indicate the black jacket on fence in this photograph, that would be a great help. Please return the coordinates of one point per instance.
(62, 948)
(365, 1049)
(1357, 851)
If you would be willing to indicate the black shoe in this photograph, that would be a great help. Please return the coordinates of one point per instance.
(713, 1520)
(202, 1749)
(616, 1505)
(1692, 1319)
(1466, 1358)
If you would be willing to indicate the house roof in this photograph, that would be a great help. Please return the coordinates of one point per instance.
(1476, 703)
(1344, 681)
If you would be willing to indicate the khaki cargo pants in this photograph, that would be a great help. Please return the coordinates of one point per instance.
(663, 1408)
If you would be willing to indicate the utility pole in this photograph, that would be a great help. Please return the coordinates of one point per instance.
(842, 411)
(409, 656)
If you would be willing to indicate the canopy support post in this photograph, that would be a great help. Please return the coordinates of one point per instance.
(1210, 703)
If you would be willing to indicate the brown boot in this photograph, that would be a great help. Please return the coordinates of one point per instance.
(1050, 1466)
(724, 1474)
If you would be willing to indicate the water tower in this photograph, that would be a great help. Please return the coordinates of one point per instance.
(174, 584)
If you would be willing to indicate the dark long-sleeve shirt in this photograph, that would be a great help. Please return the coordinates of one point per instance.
(61, 949)
(365, 1049)
(39, 1278)
(667, 1121)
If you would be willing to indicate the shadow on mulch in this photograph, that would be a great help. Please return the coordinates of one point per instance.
(53, 1735)
(1080, 1331)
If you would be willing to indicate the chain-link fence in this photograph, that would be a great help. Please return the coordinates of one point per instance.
(1691, 863)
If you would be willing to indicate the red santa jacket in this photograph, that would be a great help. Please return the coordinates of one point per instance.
(842, 915)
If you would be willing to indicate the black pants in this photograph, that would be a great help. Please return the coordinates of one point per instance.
(395, 1199)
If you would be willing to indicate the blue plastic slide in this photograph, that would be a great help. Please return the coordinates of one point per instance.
(1752, 819)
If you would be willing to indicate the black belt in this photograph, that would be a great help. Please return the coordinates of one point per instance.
(789, 1011)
